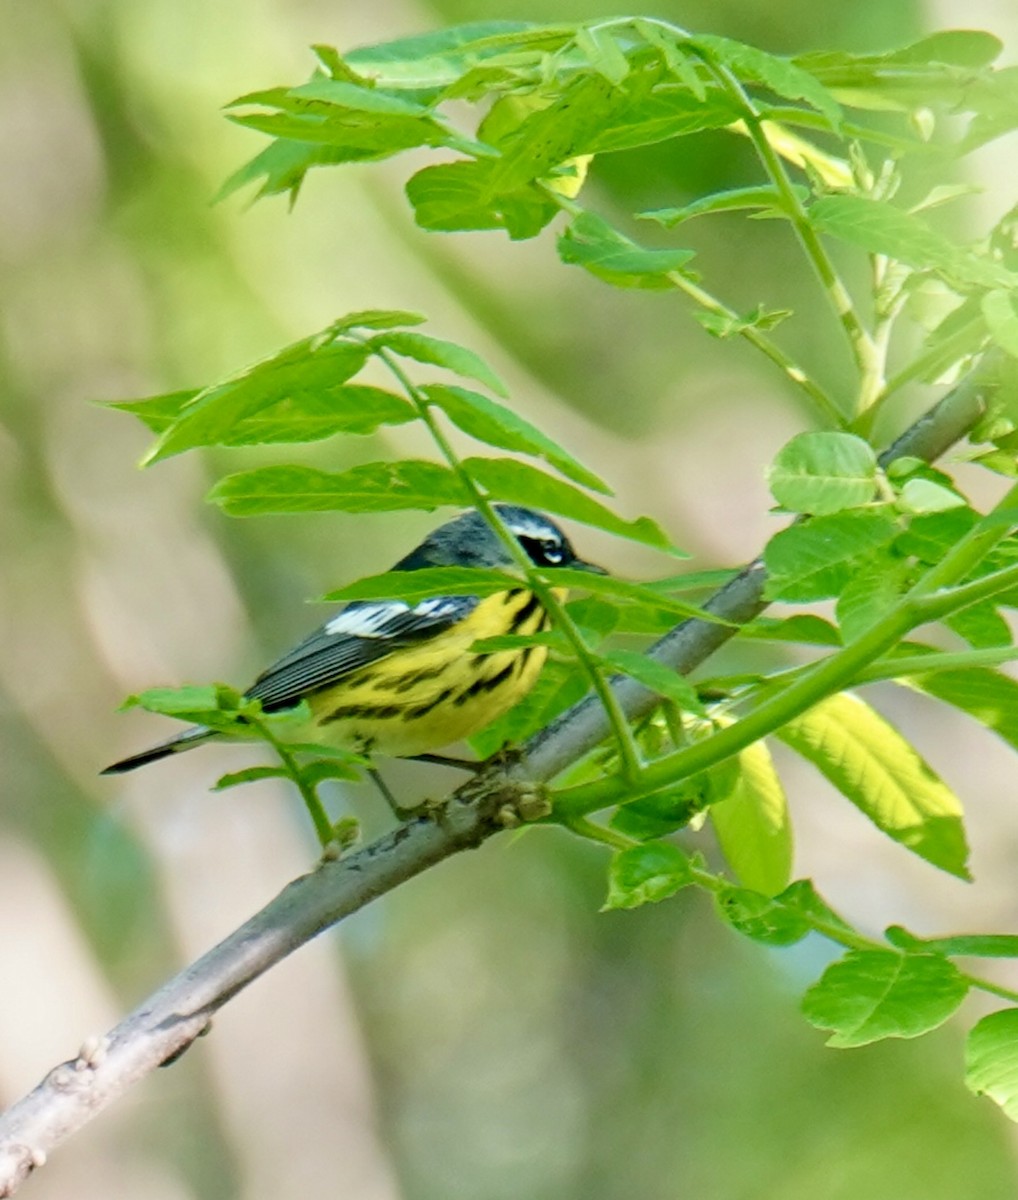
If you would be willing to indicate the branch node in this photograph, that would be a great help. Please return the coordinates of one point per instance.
(92, 1053)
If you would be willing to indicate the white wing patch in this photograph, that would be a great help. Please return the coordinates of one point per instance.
(366, 620)
(372, 620)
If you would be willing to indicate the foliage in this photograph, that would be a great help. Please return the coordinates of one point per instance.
(851, 153)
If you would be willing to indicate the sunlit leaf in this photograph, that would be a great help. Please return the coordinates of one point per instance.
(780, 75)
(753, 825)
(813, 560)
(301, 374)
(881, 228)
(823, 472)
(872, 765)
(988, 696)
(436, 352)
(991, 1059)
(874, 994)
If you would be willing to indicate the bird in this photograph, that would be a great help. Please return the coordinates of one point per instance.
(397, 679)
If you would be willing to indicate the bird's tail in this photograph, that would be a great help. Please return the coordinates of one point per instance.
(174, 745)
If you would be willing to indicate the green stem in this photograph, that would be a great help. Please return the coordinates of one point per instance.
(825, 405)
(943, 355)
(628, 751)
(931, 597)
(316, 810)
(861, 344)
(926, 664)
(851, 939)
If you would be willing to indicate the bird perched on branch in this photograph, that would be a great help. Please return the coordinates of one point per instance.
(399, 679)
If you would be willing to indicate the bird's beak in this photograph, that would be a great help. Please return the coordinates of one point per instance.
(592, 568)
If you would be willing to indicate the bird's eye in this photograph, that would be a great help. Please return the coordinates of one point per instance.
(544, 552)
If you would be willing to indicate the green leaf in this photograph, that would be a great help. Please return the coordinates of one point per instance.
(299, 376)
(361, 99)
(377, 318)
(648, 116)
(956, 47)
(991, 1059)
(371, 487)
(723, 325)
(815, 559)
(438, 353)
(874, 994)
(1002, 320)
(980, 625)
(437, 59)
(646, 874)
(759, 917)
(214, 705)
(803, 897)
(656, 677)
(767, 198)
(929, 536)
(602, 51)
(664, 812)
(590, 242)
(870, 594)
(872, 765)
(413, 586)
(491, 422)
(249, 775)
(925, 496)
(674, 54)
(158, 413)
(630, 594)
(320, 769)
(780, 75)
(881, 228)
(988, 696)
(824, 472)
(753, 825)
(520, 483)
(459, 196)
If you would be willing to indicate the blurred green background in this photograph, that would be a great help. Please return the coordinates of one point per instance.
(483, 1033)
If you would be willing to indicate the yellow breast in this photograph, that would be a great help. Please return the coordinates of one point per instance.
(424, 697)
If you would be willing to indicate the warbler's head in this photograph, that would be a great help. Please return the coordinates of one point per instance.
(469, 541)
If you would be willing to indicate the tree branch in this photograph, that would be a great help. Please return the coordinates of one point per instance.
(165, 1024)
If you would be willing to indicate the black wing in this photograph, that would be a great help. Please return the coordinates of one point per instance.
(360, 633)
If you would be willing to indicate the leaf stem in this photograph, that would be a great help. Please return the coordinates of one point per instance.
(628, 751)
(931, 597)
(316, 810)
(825, 405)
(864, 351)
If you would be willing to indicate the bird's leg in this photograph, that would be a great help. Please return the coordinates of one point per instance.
(401, 813)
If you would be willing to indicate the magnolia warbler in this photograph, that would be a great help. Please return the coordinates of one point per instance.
(386, 677)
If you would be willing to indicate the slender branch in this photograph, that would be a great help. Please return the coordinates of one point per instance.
(863, 350)
(824, 404)
(165, 1024)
